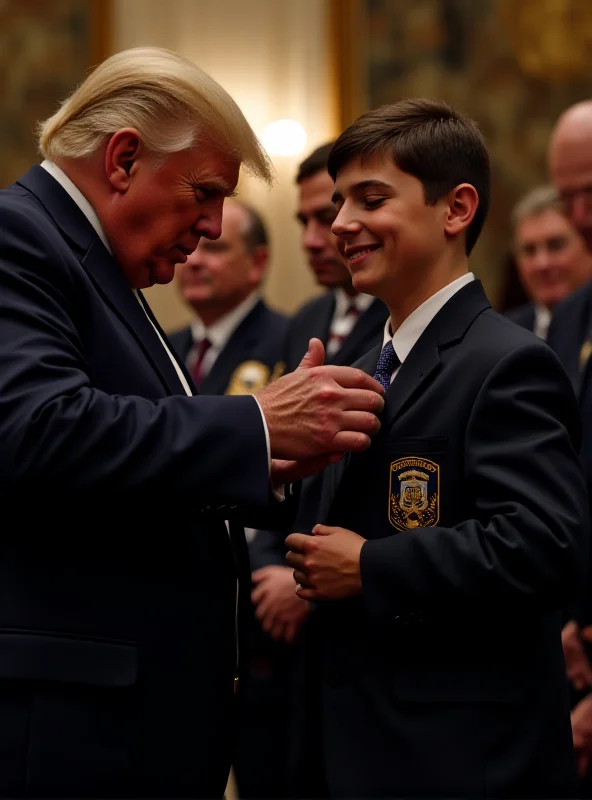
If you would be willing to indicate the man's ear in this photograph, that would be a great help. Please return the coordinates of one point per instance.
(123, 151)
(260, 257)
(463, 201)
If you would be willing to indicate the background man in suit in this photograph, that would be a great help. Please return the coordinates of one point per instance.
(551, 257)
(570, 334)
(448, 549)
(122, 492)
(236, 340)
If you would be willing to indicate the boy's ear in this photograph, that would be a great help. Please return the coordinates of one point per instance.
(462, 206)
(124, 149)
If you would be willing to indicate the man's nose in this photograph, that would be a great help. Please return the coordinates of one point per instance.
(209, 223)
(313, 238)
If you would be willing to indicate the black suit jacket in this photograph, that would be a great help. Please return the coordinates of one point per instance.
(314, 319)
(118, 613)
(523, 316)
(570, 331)
(254, 349)
(445, 678)
(570, 335)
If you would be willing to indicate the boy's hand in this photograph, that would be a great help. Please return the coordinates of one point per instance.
(326, 565)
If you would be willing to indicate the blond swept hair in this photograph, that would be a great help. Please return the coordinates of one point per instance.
(171, 102)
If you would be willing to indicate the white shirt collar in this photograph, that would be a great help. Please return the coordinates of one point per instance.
(77, 196)
(411, 329)
(221, 331)
(542, 320)
(343, 301)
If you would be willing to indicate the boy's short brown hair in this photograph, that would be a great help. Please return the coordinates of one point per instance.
(427, 139)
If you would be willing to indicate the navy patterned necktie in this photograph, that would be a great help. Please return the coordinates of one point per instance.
(387, 364)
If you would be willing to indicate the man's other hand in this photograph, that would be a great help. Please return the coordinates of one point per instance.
(579, 670)
(581, 726)
(277, 606)
(319, 410)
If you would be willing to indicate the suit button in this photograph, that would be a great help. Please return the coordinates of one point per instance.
(334, 677)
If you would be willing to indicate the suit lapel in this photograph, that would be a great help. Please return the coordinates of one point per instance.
(423, 362)
(332, 475)
(111, 284)
(414, 374)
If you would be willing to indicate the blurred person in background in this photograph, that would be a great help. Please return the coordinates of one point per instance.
(348, 322)
(235, 341)
(570, 334)
(551, 257)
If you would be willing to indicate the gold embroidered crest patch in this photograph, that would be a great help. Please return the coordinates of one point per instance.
(248, 378)
(414, 493)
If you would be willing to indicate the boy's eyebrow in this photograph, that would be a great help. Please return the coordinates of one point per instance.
(359, 186)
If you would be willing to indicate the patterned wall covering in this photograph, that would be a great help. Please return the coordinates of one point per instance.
(46, 47)
(512, 65)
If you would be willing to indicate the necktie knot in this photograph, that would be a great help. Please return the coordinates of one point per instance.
(388, 361)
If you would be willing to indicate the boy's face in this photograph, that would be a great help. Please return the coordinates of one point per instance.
(388, 235)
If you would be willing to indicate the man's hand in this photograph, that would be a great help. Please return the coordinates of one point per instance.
(326, 565)
(281, 612)
(317, 410)
(579, 669)
(581, 726)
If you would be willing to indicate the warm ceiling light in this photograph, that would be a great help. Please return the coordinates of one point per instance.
(284, 137)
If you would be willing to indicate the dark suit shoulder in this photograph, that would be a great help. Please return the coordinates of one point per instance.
(575, 303)
(522, 315)
(311, 309)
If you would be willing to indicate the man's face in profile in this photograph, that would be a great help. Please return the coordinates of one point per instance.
(316, 213)
(166, 210)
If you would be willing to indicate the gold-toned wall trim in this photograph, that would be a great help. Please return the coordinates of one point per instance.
(345, 49)
(101, 19)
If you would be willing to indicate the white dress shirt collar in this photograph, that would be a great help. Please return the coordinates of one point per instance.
(542, 320)
(80, 200)
(220, 332)
(343, 301)
(411, 329)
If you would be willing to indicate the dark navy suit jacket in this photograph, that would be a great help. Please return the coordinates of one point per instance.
(259, 338)
(118, 612)
(570, 335)
(523, 316)
(445, 678)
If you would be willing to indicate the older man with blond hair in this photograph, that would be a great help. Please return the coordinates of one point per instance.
(123, 493)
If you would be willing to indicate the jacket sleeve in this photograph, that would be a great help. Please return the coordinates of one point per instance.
(58, 430)
(525, 542)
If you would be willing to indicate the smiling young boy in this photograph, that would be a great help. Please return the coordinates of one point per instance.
(448, 549)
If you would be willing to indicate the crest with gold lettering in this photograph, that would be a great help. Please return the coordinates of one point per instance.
(414, 493)
(248, 378)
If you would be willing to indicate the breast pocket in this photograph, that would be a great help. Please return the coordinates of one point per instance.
(415, 475)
